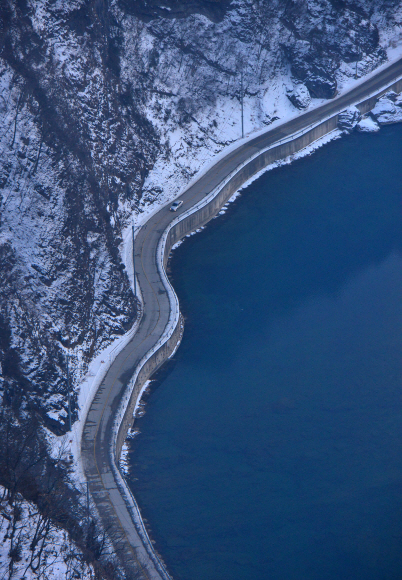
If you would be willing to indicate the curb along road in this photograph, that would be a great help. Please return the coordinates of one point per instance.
(110, 413)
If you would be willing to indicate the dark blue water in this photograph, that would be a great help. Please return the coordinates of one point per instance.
(272, 445)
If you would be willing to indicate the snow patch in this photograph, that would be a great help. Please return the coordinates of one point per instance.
(124, 464)
(368, 125)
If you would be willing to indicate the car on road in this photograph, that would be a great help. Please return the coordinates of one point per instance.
(176, 204)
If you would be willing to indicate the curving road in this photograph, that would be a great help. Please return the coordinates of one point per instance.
(98, 461)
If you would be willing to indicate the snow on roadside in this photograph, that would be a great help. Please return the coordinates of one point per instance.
(124, 463)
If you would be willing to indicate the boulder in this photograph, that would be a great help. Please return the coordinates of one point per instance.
(300, 97)
(348, 119)
(386, 111)
(391, 96)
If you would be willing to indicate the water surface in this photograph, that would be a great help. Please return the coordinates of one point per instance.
(272, 445)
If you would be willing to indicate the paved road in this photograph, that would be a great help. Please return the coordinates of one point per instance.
(97, 459)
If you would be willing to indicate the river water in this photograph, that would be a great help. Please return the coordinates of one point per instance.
(271, 446)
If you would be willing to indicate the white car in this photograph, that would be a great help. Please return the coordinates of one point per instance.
(176, 204)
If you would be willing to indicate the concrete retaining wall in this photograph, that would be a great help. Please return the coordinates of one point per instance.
(203, 215)
(368, 104)
(190, 222)
(210, 210)
(149, 368)
(197, 219)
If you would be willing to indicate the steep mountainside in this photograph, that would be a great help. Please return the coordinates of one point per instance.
(108, 108)
(111, 106)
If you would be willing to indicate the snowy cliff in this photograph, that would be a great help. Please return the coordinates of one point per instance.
(111, 106)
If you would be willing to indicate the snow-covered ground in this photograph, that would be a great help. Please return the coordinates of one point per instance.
(76, 149)
(31, 547)
(368, 125)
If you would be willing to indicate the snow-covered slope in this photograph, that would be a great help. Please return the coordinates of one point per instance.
(111, 107)
(31, 547)
(195, 68)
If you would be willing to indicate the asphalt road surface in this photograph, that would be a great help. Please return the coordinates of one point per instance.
(95, 445)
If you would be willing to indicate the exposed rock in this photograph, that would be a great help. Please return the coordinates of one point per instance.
(391, 96)
(325, 33)
(148, 10)
(326, 27)
(93, 97)
(316, 71)
(348, 119)
(388, 109)
(300, 97)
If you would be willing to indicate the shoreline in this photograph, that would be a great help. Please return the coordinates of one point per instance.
(188, 221)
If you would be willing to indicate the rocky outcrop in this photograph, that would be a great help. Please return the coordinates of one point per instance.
(316, 72)
(95, 95)
(388, 109)
(300, 97)
(348, 119)
(323, 35)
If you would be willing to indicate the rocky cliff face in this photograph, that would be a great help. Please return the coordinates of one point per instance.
(105, 107)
